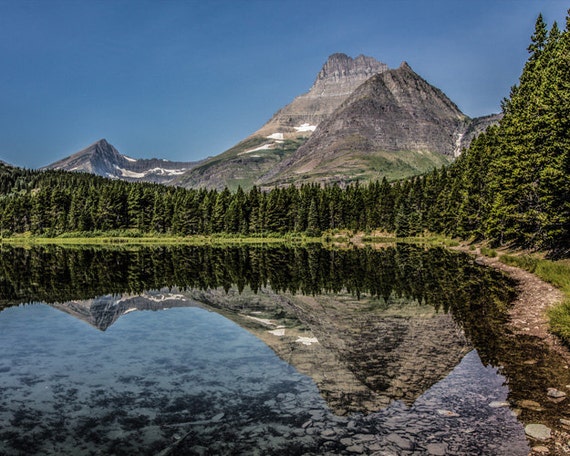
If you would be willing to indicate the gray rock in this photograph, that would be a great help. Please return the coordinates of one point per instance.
(537, 431)
(400, 441)
(498, 404)
(307, 424)
(365, 437)
(437, 449)
(355, 449)
(218, 417)
(327, 433)
(553, 392)
(447, 413)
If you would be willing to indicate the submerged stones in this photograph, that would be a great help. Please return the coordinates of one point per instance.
(437, 449)
(537, 431)
(447, 413)
(530, 405)
(556, 394)
(497, 404)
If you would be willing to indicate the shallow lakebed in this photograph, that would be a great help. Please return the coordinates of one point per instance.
(263, 350)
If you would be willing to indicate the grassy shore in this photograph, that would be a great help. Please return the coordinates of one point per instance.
(136, 238)
(107, 239)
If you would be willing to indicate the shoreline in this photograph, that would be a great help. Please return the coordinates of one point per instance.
(534, 298)
(528, 317)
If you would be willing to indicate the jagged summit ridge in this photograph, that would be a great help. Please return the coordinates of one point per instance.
(341, 65)
(95, 159)
(338, 78)
(346, 71)
(289, 127)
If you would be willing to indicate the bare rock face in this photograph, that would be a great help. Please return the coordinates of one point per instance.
(393, 124)
(338, 78)
(290, 127)
(475, 127)
(102, 159)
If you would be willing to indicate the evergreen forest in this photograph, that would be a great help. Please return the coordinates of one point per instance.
(511, 187)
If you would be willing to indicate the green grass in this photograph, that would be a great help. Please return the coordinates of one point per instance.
(491, 253)
(558, 274)
(127, 237)
(431, 239)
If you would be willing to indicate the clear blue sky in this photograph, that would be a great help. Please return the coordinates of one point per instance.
(186, 79)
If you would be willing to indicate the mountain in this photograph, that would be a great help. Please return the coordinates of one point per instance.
(359, 121)
(287, 130)
(103, 159)
(326, 337)
(101, 312)
(393, 125)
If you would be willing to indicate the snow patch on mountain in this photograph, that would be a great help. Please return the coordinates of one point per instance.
(166, 172)
(154, 171)
(264, 147)
(102, 159)
(126, 173)
(306, 127)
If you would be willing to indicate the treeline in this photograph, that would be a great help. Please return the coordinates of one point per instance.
(55, 202)
(52, 203)
(57, 274)
(511, 187)
(513, 184)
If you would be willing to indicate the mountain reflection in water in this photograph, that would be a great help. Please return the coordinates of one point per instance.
(372, 328)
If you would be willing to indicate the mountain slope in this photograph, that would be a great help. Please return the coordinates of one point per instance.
(395, 125)
(289, 128)
(102, 159)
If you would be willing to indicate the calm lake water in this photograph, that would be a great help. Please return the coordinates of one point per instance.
(263, 350)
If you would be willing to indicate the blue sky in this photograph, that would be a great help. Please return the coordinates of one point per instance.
(183, 80)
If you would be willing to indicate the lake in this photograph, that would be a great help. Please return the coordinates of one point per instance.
(402, 350)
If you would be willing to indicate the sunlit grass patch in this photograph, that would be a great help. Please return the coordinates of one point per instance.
(491, 253)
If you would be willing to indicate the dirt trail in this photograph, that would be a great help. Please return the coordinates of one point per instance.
(534, 298)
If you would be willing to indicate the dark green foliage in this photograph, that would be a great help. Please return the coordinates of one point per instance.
(51, 203)
(527, 189)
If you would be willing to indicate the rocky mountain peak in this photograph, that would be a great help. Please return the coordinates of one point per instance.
(359, 121)
(338, 78)
(341, 74)
(101, 147)
(104, 159)
(340, 66)
(395, 122)
(101, 143)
